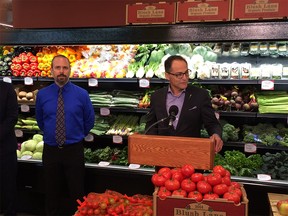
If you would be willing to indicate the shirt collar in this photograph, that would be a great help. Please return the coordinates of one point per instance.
(170, 91)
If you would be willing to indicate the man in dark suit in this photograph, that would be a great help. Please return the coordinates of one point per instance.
(193, 103)
(8, 147)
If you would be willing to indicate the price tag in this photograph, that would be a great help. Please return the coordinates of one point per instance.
(7, 79)
(18, 133)
(263, 177)
(28, 81)
(25, 108)
(104, 111)
(117, 139)
(89, 138)
(103, 163)
(267, 85)
(144, 83)
(93, 82)
(250, 148)
(26, 157)
(134, 166)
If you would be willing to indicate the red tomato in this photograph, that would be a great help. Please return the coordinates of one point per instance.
(219, 169)
(187, 170)
(166, 174)
(163, 193)
(226, 180)
(231, 196)
(178, 175)
(179, 192)
(210, 196)
(235, 190)
(172, 184)
(214, 179)
(235, 184)
(204, 187)
(158, 179)
(228, 173)
(176, 169)
(220, 189)
(195, 195)
(163, 169)
(196, 177)
(188, 185)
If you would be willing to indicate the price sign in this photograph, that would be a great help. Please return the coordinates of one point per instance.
(117, 139)
(134, 166)
(28, 81)
(7, 79)
(250, 148)
(144, 83)
(93, 82)
(103, 163)
(104, 111)
(267, 85)
(89, 138)
(25, 108)
(18, 133)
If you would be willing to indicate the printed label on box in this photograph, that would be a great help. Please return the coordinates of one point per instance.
(259, 9)
(203, 11)
(155, 13)
(197, 209)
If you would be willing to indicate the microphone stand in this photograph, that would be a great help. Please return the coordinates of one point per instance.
(155, 123)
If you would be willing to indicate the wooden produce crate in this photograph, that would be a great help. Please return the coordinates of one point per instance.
(179, 206)
(273, 199)
(171, 151)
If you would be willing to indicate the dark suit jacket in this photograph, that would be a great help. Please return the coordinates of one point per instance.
(8, 118)
(196, 112)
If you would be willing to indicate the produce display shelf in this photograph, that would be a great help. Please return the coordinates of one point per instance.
(197, 32)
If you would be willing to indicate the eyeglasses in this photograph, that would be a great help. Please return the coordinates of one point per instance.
(180, 75)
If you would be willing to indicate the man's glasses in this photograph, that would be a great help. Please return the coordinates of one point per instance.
(180, 75)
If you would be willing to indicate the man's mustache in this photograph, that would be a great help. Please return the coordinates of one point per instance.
(62, 75)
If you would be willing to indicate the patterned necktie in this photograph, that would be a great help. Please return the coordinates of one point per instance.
(60, 120)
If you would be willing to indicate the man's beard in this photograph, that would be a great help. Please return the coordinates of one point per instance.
(62, 79)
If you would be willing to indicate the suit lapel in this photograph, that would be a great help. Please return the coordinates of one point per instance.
(187, 101)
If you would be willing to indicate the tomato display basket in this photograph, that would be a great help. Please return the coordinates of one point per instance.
(179, 206)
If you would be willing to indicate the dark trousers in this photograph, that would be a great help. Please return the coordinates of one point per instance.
(8, 183)
(64, 178)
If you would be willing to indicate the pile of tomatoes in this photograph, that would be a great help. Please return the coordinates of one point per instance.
(112, 203)
(185, 182)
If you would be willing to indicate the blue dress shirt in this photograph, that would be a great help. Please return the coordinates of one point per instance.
(79, 112)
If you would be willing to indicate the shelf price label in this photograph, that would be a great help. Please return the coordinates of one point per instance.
(267, 85)
(117, 139)
(89, 138)
(134, 166)
(18, 133)
(25, 108)
(92, 82)
(104, 111)
(144, 83)
(28, 81)
(7, 79)
(250, 148)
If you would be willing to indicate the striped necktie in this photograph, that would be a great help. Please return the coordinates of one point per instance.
(60, 120)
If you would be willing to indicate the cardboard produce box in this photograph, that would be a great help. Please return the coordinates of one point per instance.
(177, 206)
(273, 199)
(259, 9)
(203, 10)
(171, 151)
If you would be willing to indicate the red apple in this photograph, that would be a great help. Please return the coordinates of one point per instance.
(282, 206)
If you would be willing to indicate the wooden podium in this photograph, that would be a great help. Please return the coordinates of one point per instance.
(171, 151)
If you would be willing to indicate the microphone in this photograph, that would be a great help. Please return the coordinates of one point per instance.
(173, 111)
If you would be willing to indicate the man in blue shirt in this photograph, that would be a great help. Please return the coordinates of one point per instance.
(64, 164)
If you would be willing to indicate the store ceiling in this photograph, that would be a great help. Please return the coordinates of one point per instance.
(6, 17)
